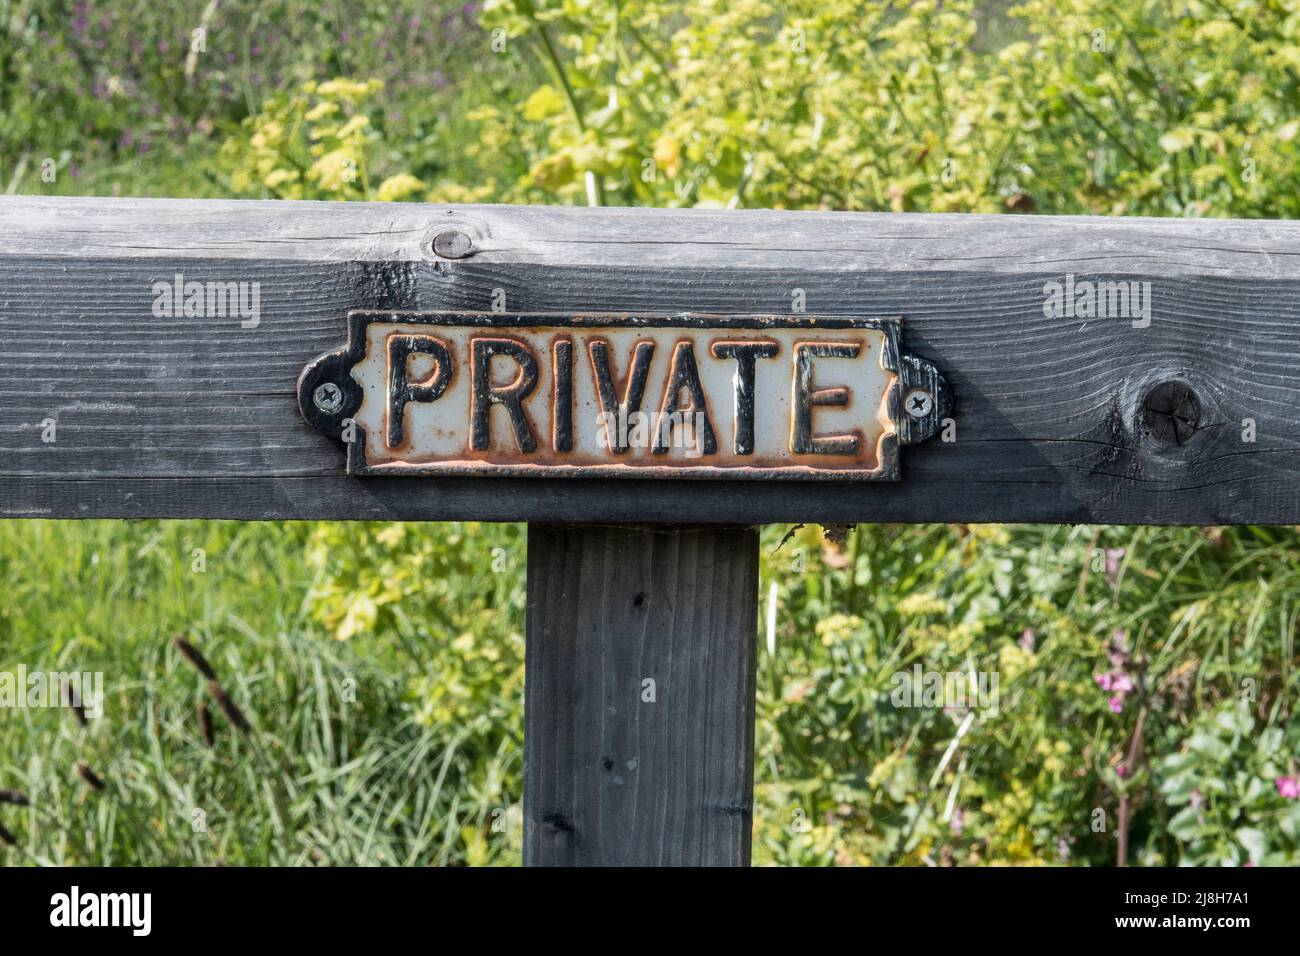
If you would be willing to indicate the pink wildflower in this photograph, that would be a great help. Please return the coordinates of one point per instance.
(1113, 558)
(1289, 787)
(1116, 705)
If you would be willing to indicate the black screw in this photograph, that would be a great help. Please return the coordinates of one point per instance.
(452, 244)
(1170, 413)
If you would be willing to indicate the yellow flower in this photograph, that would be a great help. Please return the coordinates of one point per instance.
(321, 110)
(545, 101)
(354, 125)
(398, 187)
(1177, 140)
(837, 627)
(349, 89)
(456, 192)
(278, 177)
(991, 533)
(917, 605)
(883, 770)
(1215, 31)
(1013, 660)
(667, 154)
(392, 535)
(360, 615)
(335, 170)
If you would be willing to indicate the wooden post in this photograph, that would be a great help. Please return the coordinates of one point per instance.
(639, 722)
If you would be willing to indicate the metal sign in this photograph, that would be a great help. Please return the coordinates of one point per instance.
(606, 395)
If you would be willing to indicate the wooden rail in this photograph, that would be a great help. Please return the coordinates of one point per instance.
(1057, 419)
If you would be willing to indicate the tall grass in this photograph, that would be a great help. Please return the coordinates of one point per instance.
(337, 766)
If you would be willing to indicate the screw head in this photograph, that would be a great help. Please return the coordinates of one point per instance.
(918, 403)
(328, 397)
(452, 244)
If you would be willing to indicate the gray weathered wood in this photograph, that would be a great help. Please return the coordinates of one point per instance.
(612, 777)
(196, 416)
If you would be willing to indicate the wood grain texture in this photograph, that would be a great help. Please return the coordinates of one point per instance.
(611, 778)
(196, 416)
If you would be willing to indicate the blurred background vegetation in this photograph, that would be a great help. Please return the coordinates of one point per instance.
(1148, 680)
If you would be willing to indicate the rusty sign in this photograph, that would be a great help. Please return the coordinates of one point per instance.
(603, 395)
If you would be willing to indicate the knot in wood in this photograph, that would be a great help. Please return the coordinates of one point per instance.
(453, 244)
(1170, 413)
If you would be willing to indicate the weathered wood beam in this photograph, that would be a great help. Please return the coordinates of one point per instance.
(1057, 419)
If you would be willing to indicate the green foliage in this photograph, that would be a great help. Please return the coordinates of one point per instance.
(1148, 108)
(1221, 785)
(846, 776)
(115, 95)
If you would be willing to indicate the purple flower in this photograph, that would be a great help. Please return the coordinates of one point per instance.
(1028, 640)
(1289, 787)
(1121, 683)
(1104, 681)
(956, 824)
(1114, 556)
(1116, 705)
